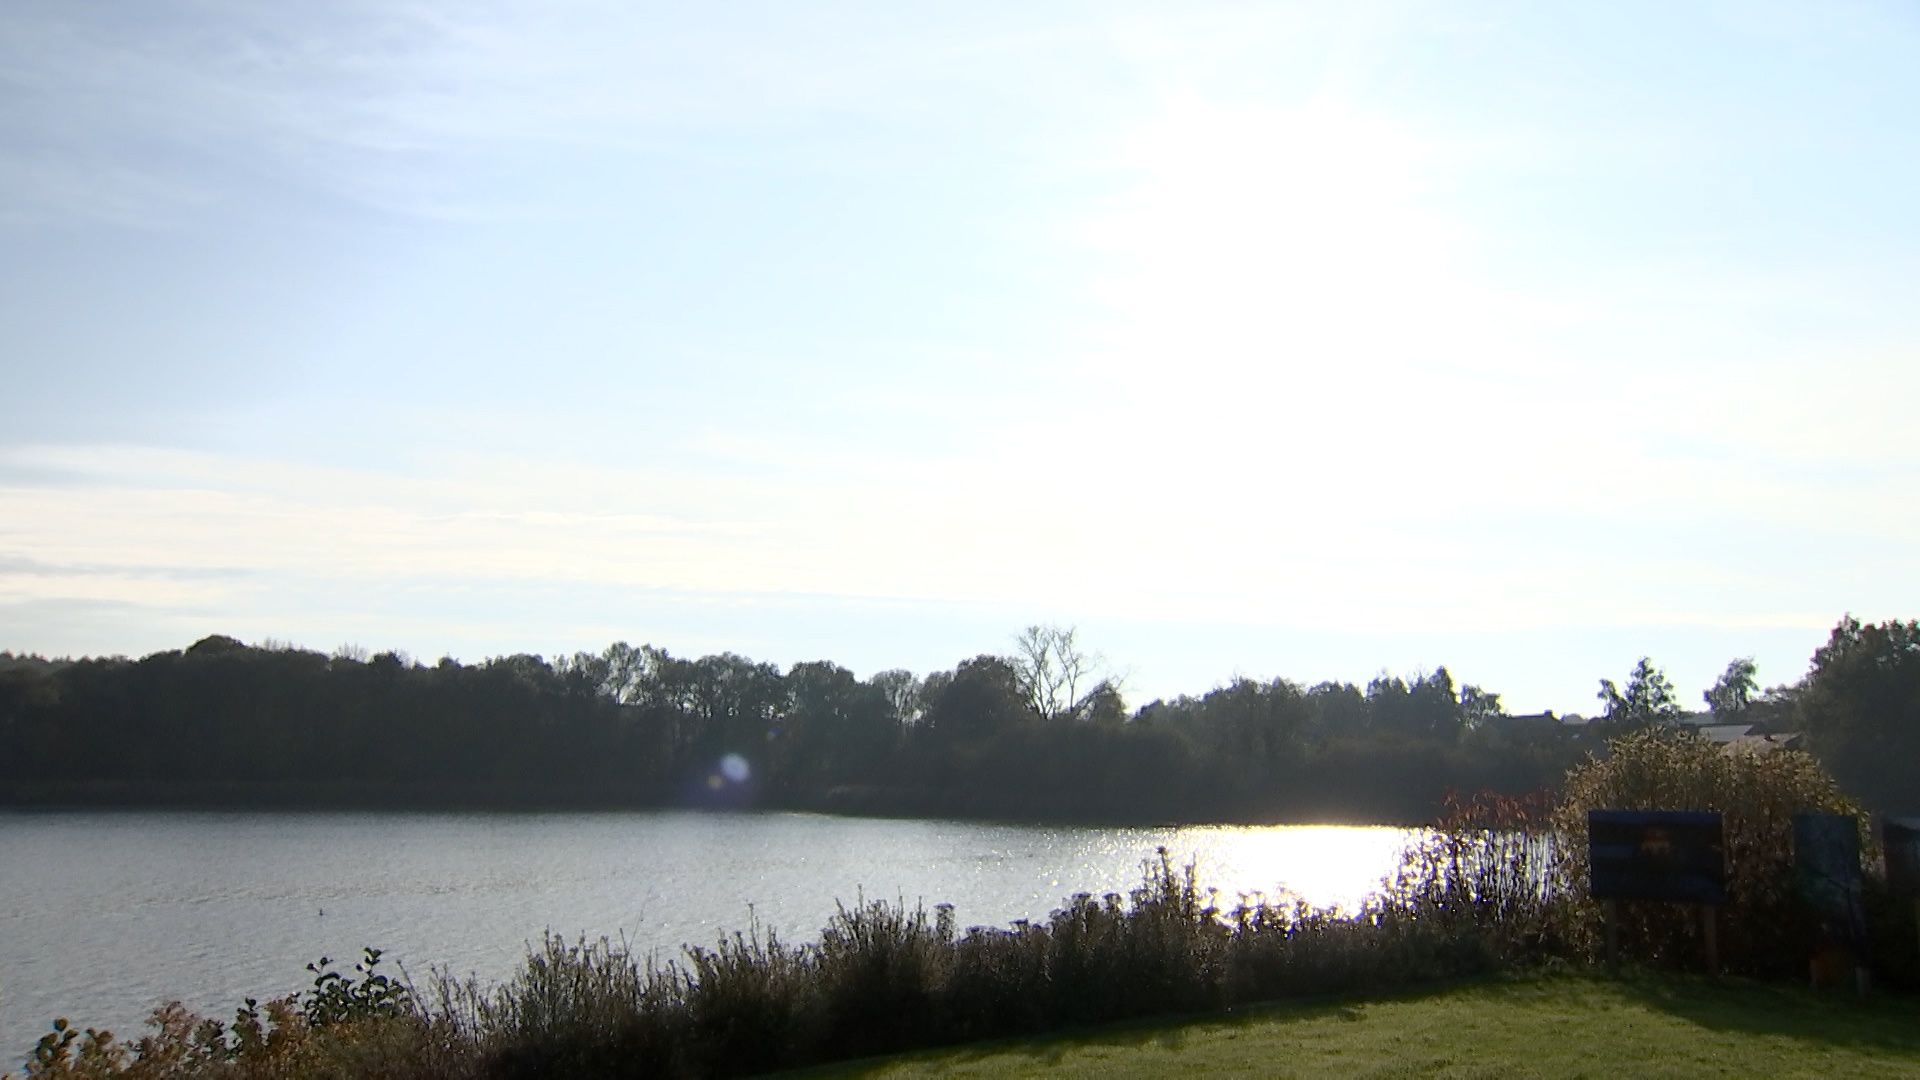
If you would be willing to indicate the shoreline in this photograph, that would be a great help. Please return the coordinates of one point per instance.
(868, 802)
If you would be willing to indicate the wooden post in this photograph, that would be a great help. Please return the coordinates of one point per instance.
(1713, 938)
(1613, 936)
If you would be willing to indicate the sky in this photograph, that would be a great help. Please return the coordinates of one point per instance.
(1254, 339)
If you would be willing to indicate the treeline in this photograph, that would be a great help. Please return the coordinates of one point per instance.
(1021, 736)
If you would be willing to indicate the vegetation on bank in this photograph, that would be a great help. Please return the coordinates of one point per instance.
(1497, 886)
(1033, 735)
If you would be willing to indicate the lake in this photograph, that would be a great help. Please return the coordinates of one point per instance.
(104, 914)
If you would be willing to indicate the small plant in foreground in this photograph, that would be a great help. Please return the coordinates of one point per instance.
(339, 999)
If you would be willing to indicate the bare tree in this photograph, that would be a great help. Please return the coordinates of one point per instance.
(903, 693)
(1051, 669)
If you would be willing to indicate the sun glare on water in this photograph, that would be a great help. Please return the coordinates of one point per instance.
(1326, 865)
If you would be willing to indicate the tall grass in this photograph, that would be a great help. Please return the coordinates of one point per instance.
(1492, 866)
(882, 977)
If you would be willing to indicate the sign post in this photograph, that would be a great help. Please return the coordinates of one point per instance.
(1613, 936)
(1678, 856)
(1712, 916)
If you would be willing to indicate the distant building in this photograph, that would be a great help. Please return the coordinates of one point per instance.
(1765, 744)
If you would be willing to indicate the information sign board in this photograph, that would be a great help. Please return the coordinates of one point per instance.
(1902, 839)
(1826, 862)
(1677, 855)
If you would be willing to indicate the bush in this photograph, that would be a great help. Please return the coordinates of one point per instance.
(1763, 928)
(343, 1028)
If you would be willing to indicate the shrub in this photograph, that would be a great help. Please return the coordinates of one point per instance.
(884, 978)
(1488, 868)
(1763, 928)
(340, 999)
(877, 967)
(587, 1009)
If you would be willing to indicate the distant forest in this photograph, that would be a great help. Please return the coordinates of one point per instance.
(1034, 735)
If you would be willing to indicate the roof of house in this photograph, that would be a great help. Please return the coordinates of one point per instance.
(1764, 744)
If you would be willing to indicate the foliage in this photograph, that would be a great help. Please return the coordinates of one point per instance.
(1489, 865)
(1022, 737)
(1025, 737)
(341, 999)
(1860, 706)
(279, 1045)
(1732, 694)
(1648, 701)
(1762, 929)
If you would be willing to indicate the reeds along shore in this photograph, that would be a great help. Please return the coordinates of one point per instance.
(1496, 884)
(881, 978)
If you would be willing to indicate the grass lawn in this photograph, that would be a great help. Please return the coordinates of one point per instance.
(1558, 1026)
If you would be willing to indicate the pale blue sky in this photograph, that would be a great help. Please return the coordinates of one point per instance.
(1260, 339)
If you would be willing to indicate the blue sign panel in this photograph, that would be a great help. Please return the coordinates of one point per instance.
(1826, 864)
(1657, 855)
(1902, 839)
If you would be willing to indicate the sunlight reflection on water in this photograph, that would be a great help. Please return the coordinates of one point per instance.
(1326, 865)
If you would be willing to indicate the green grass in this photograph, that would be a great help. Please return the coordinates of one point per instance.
(1561, 1026)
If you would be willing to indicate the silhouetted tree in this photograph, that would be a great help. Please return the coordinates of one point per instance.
(1730, 697)
(1050, 668)
(1861, 709)
(1648, 700)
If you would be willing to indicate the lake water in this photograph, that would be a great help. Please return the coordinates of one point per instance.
(105, 914)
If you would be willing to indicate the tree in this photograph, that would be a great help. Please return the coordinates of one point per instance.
(585, 673)
(1339, 710)
(1105, 706)
(1477, 706)
(1860, 706)
(837, 729)
(903, 693)
(1648, 700)
(980, 698)
(629, 671)
(1426, 708)
(1730, 697)
(1050, 668)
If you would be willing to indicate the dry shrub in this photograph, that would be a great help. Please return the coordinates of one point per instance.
(1763, 928)
(878, 965)
(183, 1045)
(1488, 868)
